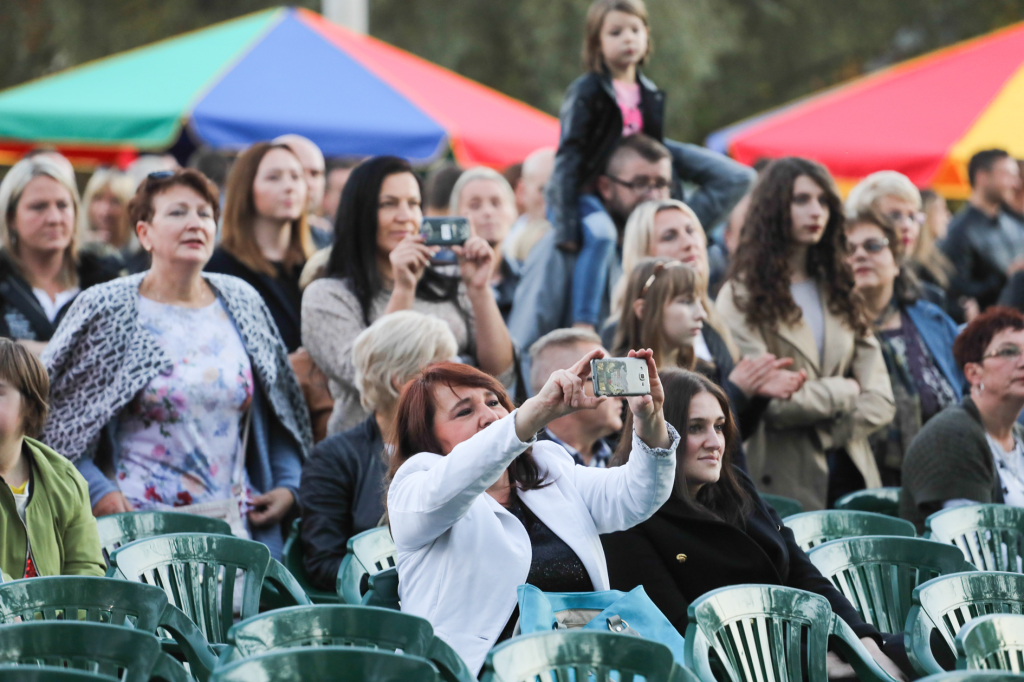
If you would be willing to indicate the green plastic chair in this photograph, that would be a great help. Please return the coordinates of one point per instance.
(878, 574)
(197, 572)
(383, 590)
(120, 529)
(21, 673)
(344, 625)
(119, 652)
(989, 535)
(973, 676)
(108, 601)
(369, 553)
(879, 500)
(292, 558)
(950, 601)
(993, 642)
(350, 580)
(767, 633)
(308, 664)
(783, 506)
(552, 655)
(817, 527)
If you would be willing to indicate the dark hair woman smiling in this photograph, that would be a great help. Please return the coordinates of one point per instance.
(380, 265)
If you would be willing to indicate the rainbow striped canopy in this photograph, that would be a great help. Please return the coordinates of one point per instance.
(924, 118)
(274, 72)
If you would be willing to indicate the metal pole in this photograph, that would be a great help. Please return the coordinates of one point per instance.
(352, 14)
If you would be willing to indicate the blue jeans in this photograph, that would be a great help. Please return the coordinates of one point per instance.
(590, 275)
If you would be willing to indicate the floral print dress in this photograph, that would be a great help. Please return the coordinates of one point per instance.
(179, 436)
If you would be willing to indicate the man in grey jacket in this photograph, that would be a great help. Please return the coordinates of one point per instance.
(639, 169)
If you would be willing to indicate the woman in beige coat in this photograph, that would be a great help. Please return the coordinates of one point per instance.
(791, 293)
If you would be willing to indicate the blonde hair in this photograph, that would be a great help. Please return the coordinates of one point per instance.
(120, 185)
(481, 173)
(393, 350)
(638, 245)
(867, 192)
(11, 189)
(593, 58)
(927, 255)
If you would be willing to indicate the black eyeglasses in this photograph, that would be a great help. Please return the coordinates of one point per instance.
(871, 246)
(642, 183)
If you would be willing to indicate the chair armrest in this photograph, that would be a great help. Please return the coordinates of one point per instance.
(449, 664)
(279, 577)
(856, 655)
(696, 654)
(917, 637)
(168, 669)
(350, 577)
(200, 656)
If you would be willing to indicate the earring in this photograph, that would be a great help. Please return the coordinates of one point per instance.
(982, 388)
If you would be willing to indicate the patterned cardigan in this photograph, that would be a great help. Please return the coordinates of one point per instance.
(100, 358)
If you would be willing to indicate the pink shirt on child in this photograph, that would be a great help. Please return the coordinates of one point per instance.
(628, 97)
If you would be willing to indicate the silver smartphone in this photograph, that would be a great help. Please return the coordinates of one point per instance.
(620, 376)
(445, 231)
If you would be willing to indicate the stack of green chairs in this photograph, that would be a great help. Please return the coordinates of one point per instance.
(878, 574)
(993, 642)
(118, 652)
(108, 601)
(879, 500)
(767, 632)
(120, 529)
(601, 656)
(818, 527)
(197, 572)
(344, 625)
(949, 602)
(292, 558)
(313, 664)
(783, 506)
(989, 535)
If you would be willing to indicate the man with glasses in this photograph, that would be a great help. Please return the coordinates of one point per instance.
(639, 169)
(986, 241)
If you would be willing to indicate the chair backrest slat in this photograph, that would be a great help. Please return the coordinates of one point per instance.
(879, 573)
(197, 572)
(989, 535)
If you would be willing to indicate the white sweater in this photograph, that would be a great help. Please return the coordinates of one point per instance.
(461, 555)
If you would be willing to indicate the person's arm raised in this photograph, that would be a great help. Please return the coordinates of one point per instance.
(477, 261)
(561, 394)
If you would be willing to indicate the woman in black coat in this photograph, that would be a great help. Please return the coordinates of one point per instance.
(715, 530)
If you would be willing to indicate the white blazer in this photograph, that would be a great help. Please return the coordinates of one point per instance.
(461, 555)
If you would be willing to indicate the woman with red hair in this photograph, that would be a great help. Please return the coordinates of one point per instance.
(478, 506)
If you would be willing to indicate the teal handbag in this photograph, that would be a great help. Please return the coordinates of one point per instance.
(627, 613)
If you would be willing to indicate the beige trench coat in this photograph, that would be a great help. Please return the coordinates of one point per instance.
(786, 456)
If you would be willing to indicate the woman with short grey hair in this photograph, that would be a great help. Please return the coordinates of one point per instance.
(342, 481)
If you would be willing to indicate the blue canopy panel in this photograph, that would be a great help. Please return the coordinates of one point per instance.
(312, 99)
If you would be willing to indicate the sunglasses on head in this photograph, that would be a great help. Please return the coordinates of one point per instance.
(160, 175)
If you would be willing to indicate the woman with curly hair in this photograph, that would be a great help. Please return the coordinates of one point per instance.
(791, 293)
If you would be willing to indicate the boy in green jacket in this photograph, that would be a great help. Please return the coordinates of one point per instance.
(46, 523)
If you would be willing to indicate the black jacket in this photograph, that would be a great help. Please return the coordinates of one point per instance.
(281, 294)
(21, 316)
(981, 249)
(678, 556)
(342, 495)
(591, 124)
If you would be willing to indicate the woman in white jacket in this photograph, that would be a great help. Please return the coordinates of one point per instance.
(478, 506)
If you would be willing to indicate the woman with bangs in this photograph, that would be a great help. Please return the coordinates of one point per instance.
(478, 506)
(665, 309)
(791, 293)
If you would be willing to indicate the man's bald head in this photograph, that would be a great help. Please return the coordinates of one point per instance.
(537, 169)
(313, 165)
